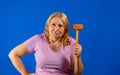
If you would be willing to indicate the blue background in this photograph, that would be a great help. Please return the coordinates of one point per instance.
(21, 19)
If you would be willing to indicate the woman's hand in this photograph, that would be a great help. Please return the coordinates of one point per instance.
(77, 48)
(76, 61)
(30, 74)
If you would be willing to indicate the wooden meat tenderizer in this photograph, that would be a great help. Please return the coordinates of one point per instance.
(77, 27)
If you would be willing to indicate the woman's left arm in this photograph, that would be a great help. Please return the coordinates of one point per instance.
(76, 60)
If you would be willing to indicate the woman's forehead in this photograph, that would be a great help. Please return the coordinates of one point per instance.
(56, 20)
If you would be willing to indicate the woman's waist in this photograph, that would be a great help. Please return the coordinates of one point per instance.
(52, 71)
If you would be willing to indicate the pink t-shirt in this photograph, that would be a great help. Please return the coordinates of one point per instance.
(49, 62)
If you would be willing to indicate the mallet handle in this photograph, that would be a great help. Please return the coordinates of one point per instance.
(77, 34)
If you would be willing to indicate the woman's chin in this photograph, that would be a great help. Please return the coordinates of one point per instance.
(56, 37)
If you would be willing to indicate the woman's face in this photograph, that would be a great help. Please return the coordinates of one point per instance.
(56, 28)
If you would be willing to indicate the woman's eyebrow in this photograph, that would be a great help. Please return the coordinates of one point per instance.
(60, 24)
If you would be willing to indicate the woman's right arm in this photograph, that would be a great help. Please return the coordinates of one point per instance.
(15, 55)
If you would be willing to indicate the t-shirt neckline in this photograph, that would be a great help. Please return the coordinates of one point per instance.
(59, 49)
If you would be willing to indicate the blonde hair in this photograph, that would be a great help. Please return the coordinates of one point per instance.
(64, 19)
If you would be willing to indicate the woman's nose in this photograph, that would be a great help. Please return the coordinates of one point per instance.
(57, 27)
(57, 31)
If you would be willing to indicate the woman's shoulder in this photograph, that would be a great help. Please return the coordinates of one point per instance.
(39, 36)
(71, 39)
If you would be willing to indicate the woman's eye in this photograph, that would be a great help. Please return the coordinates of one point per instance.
(53, 24)
(60, 25)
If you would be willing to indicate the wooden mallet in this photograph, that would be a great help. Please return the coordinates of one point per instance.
(77, 27)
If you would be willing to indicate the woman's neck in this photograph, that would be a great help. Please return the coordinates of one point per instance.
(54, 40)
(55, 43)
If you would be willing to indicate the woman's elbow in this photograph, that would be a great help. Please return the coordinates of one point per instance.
(81, 70)
(78, 73)
(12, 55)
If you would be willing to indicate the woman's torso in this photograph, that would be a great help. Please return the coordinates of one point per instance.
(49, 62)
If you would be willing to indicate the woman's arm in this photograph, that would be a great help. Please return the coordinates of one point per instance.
(15, 55)
(76, 61)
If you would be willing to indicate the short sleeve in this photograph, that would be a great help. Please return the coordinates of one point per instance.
(72, 42)
(30, 43)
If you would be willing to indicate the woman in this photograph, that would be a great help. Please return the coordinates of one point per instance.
(56, 53)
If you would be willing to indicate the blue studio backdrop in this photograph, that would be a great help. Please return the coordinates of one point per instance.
(100, 38)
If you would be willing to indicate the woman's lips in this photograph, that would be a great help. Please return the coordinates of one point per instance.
(56, 32)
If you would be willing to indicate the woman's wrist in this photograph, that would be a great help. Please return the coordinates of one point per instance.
(25, 73)
(78, 56)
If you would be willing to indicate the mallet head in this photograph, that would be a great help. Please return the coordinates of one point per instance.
(78, 26)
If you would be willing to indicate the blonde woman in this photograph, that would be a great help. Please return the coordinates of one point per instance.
(55, 51)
